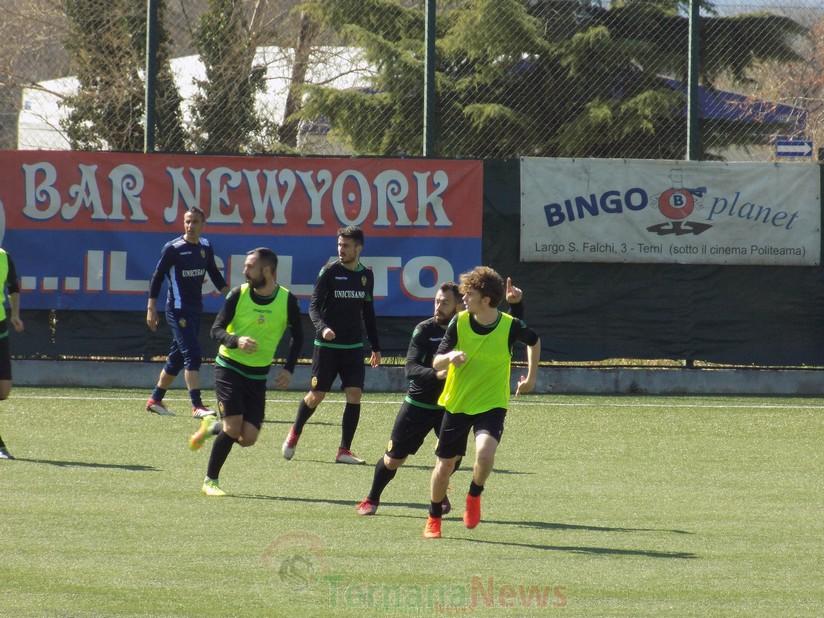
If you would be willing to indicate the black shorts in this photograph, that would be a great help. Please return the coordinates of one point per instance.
(412, 425)
(239, 395)
(5, 359)
(455, 430)
(329, 363)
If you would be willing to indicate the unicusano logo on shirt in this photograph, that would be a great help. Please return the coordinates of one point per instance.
(361, 294)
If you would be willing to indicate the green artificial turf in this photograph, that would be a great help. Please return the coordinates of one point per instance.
(599, 506)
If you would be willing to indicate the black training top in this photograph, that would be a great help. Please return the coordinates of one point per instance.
(343, 300)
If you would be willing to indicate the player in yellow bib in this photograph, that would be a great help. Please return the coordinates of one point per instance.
(249, 328)
(8, 279)
(476, 351)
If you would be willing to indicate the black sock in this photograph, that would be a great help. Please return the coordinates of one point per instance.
(381, 479)
(436, 509)
(158, 393)
(2, 444)
(304, 414)
(475, 490)
(220, 451)
(194, 395)
(351, 416)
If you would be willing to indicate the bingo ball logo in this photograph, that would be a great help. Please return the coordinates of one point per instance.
(297, 559)
(676, 204)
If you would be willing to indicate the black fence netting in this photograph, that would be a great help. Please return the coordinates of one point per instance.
(592, 311)
(583, 311)
(123, 335)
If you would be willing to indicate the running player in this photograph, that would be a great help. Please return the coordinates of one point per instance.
(8, 279)
(249, 328)
(184, 263)
(420, 412)
(341, 301)
(476, 350)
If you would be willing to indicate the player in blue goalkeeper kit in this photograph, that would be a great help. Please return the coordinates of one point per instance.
(184, 264)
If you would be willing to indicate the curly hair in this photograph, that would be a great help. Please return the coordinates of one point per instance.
(488, 282)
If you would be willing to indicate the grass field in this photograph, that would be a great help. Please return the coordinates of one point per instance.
(599, 506)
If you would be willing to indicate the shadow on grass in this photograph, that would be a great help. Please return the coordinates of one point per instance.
(600, 551)
(464, 468)
(540, 525)
(348, 503)
(273, 421)
(456, 513)
(87, 464)
(545, 525)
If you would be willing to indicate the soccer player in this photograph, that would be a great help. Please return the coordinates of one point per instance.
(476, 350)
(420, 412)
(184, 263)
(8, 279)
(341, 301)
(248, 327)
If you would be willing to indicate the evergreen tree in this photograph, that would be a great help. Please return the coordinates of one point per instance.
(169, 133)
(539, 77)
(224, 110)
(107, 46)
(106, 112)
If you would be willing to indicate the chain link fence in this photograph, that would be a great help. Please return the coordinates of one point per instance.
(571, 78)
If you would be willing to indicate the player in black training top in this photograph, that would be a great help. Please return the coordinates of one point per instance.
(341, 301)
(420, 412)
(184, 263)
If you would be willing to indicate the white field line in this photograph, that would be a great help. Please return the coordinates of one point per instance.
(549, 404)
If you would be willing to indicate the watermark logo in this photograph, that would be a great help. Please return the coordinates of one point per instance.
(446, 598)
(298, 563)
(297, 559)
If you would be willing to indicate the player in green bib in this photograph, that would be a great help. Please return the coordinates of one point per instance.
(476, 351)
(8, 279)
(249, 328)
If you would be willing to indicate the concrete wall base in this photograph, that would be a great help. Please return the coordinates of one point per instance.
(565, 380)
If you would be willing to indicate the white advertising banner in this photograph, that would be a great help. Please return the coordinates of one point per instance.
(685, 212)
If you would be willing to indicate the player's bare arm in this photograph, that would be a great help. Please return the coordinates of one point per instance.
(526, 384)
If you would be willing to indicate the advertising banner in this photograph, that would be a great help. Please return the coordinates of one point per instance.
(85, 230)
(612, 210)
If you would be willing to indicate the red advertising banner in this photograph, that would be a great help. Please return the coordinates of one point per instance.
(85, 228)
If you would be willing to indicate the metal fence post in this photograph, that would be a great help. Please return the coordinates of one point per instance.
(151, 76)
(694, 147)
(429, 132)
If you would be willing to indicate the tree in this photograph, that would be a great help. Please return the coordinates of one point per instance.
(537, 77)
(30, 50)
(300, 65)
(224, 109)
(799, 84)
(106, 43)
(169, 133)
(107, 109)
